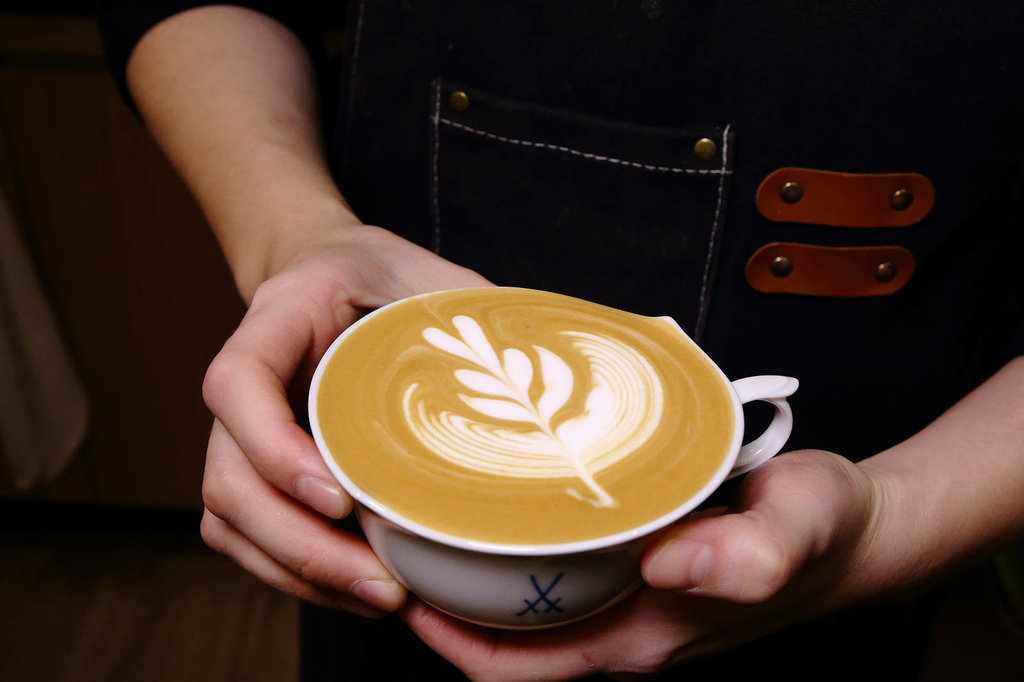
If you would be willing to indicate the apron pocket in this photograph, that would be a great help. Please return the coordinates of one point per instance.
(625, 215)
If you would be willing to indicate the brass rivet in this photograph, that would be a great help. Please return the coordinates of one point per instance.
(886, 272)
(705, 149)
(902, 199)
(791, 192)
(458, 101)
(781, 266)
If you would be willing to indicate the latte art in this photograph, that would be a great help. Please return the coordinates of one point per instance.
(508, 432)
(513, 416)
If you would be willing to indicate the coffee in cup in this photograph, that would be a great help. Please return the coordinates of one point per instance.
(514, 422)
(521, 417)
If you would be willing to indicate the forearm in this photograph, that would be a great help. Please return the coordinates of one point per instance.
(951, 494)
(230, 96)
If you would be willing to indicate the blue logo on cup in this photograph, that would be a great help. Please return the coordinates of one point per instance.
(544, 599)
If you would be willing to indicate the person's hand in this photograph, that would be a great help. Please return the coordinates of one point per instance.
(792, 546)
(230, 96)
(269, 497)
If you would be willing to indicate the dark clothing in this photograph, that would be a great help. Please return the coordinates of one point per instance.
(573, 170)
(863, 87)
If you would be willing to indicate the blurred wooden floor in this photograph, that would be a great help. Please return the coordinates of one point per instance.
(119, 595)
(94, 595)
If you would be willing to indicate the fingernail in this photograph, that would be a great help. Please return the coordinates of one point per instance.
(384, 594)
(323, 496)
(680, 565)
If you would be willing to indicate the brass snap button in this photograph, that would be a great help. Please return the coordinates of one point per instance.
(791, 192)
(458, 101)
(781, 266)
(705, 149)
(902, 199)
(886, 272)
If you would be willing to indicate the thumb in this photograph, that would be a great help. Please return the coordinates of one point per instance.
(787, 514)
(743, 558)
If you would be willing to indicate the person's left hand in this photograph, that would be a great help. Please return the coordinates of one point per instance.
(796, 543)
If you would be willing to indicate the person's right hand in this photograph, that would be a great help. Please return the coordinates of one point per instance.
(269, 498)
(230, 95)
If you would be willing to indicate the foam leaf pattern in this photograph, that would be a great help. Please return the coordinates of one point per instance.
(500, 409)
(486, 384)
(508, 433)
(519, 369)
(558, 382)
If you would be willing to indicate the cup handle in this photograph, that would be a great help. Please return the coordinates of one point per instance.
(771, 389)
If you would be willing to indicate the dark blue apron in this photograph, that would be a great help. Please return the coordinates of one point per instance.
(553, 145)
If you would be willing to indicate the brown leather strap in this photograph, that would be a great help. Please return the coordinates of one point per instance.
(805, 195)
(785, 267)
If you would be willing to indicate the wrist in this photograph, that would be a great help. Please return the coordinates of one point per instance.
(886, 553)
(265, 234)
(917, 538)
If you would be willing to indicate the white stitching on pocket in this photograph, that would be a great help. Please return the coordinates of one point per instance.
(698, 328)
(576, 152)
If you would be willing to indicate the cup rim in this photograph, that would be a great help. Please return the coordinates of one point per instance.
(506, 549)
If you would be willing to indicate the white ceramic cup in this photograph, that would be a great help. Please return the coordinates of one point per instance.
(536, 586)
